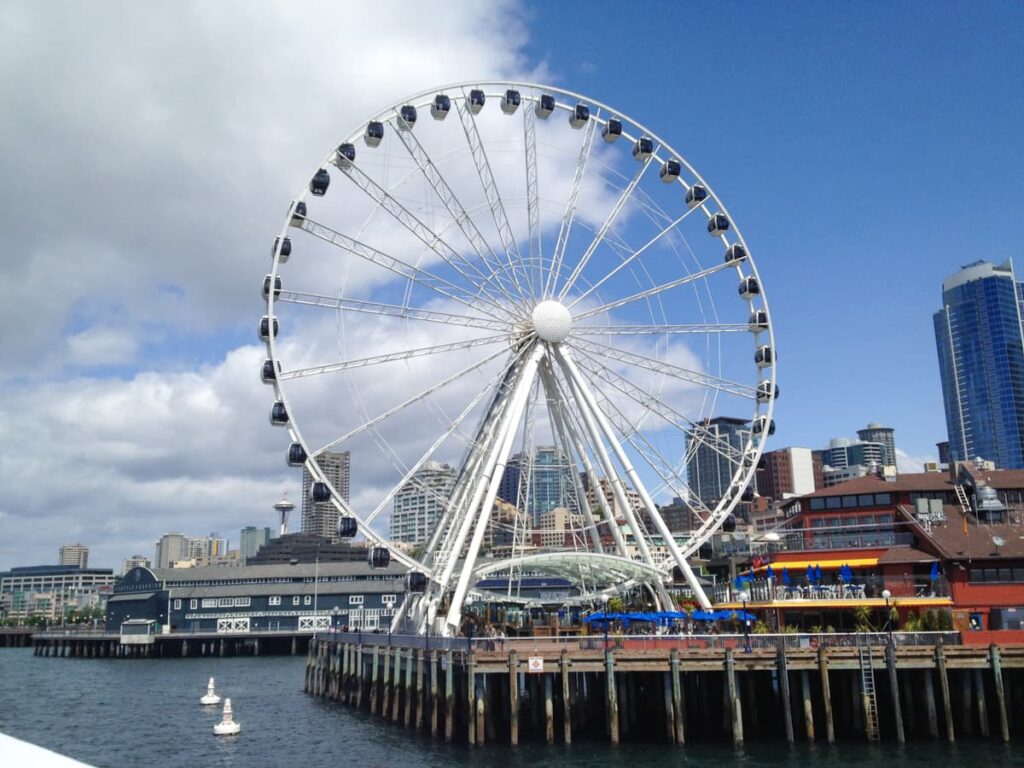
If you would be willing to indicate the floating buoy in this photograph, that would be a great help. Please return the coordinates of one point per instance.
(227, 726)
(211, 696)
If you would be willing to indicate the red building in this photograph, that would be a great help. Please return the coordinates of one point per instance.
(933, 541)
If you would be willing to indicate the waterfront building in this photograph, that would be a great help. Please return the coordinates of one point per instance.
(260, 598)
(949, 542)
(678, 516)
(843, 452)
(539, 482)
(419, 504)
(876, 433)
(251, 539)
(74, 554)
(980, 344)
(170, 548)
(134, 562)
(714, 448)
(788, 472)
(47, 591)
(321, 518)
(632, 497)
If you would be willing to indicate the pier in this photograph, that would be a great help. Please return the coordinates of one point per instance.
(810, 688)
(16, 637)
(101, 644)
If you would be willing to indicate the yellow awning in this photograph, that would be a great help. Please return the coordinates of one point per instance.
(826, 565)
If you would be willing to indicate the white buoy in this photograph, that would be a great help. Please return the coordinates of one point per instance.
(211, 696)
(227, 726)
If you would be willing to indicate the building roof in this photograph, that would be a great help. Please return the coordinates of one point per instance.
(950, 540)
(275, 571)
(359, 586)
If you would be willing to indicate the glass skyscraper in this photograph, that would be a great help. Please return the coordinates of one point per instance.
(714, 450)
(551, 484)
(980, 344)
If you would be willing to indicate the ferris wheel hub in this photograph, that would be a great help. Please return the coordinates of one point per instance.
(551, 321)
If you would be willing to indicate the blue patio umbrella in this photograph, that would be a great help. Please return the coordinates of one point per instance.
(810, 574)
(843, 577)
(738, 582)
(785, 576)
(769, 573)
(817, 573)
(934, 575)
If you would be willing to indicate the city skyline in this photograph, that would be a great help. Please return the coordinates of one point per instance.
(131, 376)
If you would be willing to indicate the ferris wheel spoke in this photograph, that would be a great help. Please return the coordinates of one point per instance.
(695, 377)
(658, 289)
(694, 431)
(458, 212)
(605, 226)
(493, 197)
(532, 195)
(422, 277)
(634, 255)
(659, 330)
(410, 473)
(408, 354)
(390, 310)
(558, 256)
(421, 231)
(406, 403)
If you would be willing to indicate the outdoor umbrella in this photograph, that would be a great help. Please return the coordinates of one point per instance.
(844, 575)
(785, 576)
(934, 575)
(769, 573)
(810, 574)
(817, 573)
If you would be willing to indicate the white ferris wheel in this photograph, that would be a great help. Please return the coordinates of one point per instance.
(526, 288)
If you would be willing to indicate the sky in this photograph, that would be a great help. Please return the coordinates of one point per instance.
(149, 153)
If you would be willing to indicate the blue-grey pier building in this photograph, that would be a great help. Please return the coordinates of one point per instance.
(237, 610)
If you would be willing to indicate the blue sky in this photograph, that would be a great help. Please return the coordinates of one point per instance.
(866, 151)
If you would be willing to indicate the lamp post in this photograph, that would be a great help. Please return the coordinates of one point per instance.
(744, 596)
(469, 620)
(888, 616)
(604, 610)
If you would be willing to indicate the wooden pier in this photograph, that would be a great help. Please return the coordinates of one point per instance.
(16, 637)
(673, 690)
(175, 645)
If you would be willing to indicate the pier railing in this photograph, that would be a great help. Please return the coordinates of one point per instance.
(649, 642)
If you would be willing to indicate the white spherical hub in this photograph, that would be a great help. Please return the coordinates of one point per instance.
(551, 321)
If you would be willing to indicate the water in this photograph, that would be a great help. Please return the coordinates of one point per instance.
(117, 712)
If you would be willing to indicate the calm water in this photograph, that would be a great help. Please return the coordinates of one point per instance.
(110, 712)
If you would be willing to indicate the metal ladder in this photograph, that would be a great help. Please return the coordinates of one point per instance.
(867, 683)
(961, 495)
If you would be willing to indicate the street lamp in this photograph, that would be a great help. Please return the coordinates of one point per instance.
(469, 621)
(604, 610)
(744, 596)
(888, 616)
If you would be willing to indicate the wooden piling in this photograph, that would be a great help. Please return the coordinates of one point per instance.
(513, 698)
(409, 696)
(549, 709)
(449, 695)
(678, 713)
(421, 693)
(805, 684)
(563, 664)
(782, 669)
(735, 711)
(894, 691)
(979, 695)
(396, 686)
(947, 705)
(666, 688)
(929, 704)
(373, 679)
(997, 676)
(481, 718)
(612, 697)
(826, 695)
(471, 698)
(435, 695)
(385, 687)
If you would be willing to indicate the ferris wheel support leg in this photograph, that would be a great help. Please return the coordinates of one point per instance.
(399, 617)
(587, 411)
(558, 420)
(652, 511)
(506, 440)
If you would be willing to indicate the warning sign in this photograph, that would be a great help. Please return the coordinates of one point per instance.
(536, 664)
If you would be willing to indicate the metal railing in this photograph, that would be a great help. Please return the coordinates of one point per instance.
(765, 591)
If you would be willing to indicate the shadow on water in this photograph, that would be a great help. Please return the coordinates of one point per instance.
(117, 712)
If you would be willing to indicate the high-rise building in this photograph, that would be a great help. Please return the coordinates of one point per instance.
(321, 518)
(876, 433)
(715, 447)
(539, 483)
(786, 472)
(980, 346)
(252, 538)
(419, 504)
(135, 561)
(843, 453)
(170, 548)
(74, 554)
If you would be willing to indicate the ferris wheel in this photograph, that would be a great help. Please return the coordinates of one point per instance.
(522, 292)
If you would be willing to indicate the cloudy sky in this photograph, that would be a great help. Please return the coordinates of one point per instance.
(149, 152)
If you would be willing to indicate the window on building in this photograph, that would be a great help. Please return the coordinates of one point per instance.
(193, 604)
(389, 599)
(243, 602)
(226, 602)
(866, 500)
(209, 602)
(295, 600)
(881, 499)
(832, 502)
(307, 600)
(355, 599)
(275, 600)
(817, 504)
(849, 501)
(177, 605)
